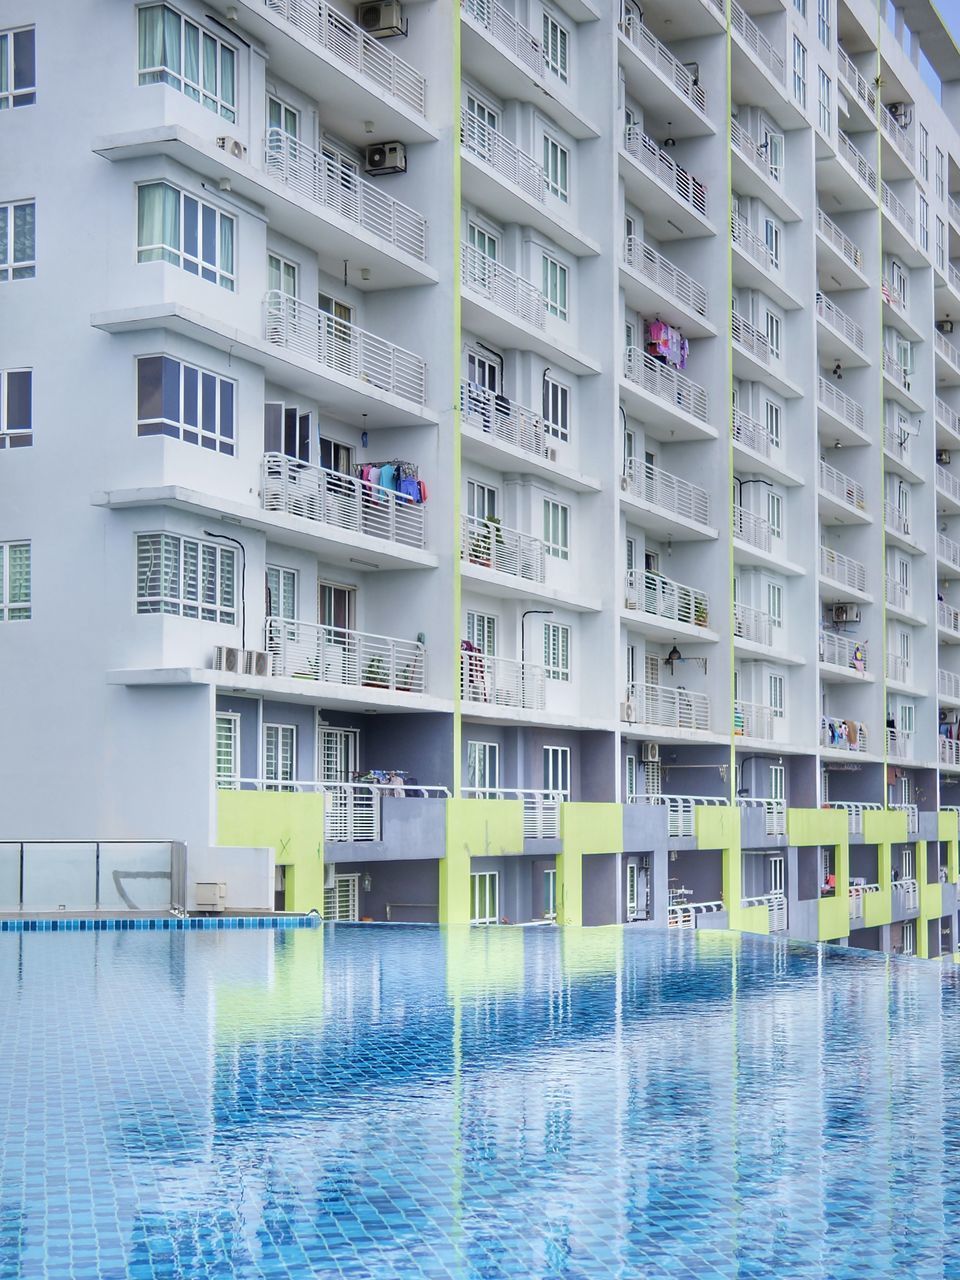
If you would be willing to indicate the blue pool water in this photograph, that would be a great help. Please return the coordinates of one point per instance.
(419, 1103)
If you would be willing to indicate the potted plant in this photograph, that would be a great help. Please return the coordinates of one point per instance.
(375, 674)
(700, 612)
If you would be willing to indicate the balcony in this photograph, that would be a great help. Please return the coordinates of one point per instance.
(842, 489)
(757, 42)
(541, 809)
(753, 720)
(752, 435)
(670, 708)
(905, 897)
(666, 281)
(666, 384)
(900, 138)
(774, 814)
(948, 487)
(487, 544)
(897, 596)
(658, 56)
(948, 551)
(843, 651)
(845, 328)
(334, 655)
(341, 501)
(953, 208)
(858, 896)
(948, 352)
(682, 187)
(842, 408)
(681, 810)
(755, 152)
(839, 241)
(897, 211)
(948, 685)
(855, 83)
(677, 507)
(502, 682)
(502, 287)
(948, 751)
(948, 618)
(750, 339)
(842, 735)
(897, 668)
(897, 447)
(503, 419)
(505, 30)
(900, 747)
(857, 162)
(891, 297)
(842, 569)
(948, 419)
(899, 377)
(855, 811)
(343, 348)
(506, 159)
(896, 522)
(660, 597)
(753, 625)
(748, 242)
(752, 529)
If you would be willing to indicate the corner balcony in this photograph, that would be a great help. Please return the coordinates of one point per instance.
(673, 508)
(666, 707)
(847, 656)
(674, 406)
(855, 810)
(503, 157)
(753, 439)
(842, 500)
(901, 142)
(541, 809)
(660, 81)
(337, 656)
(757, 43)
(897, 526)
(681, 810)
(862, 180)
(904, 897)
(844, 572)
(749, 339)
(948, 367)
(752, 625)
(663, 603)
(948, 556)
(948, 490)
(501, 682)
(774, 815)
(752, 530)
(948, 425)
(840, 416)
(898, 599)
(499, 285)
(859, 893)
(856, 84)
(652, 285)
(754, 720)
(838, 734)
(948, 622)
(673, 200)
(898, 448)
(839, 337)
(899, 381)
(488, 545)
(840, 257)
(756, 173)
(948, 686)
(902, 235)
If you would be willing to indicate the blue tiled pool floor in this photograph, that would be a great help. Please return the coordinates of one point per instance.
(417, 1103)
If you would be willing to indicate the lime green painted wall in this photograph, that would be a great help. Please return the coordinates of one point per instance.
(828, 827)
(585, 828)
(474, 829)
(290, 823)
(718, 827)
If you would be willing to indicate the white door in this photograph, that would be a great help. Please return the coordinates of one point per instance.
(340, 900)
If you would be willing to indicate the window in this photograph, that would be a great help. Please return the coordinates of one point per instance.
(175, 51)
(801, 7)
(555, 287)
(823, 22)
(556, 770)
(775, 603)
(940, 174)
(771, 139)
(186, 577)
(630, 764)
(555, 166)
(484, 897)
(481, 501)
(941, 245)
(898, 279)
(284, 118)
(485, 242)
(906, 717)
(279, 755)
(227, 752)
(286, 430)
(555, 43)
(484, 370)
(774, 418)
(778, 776)
(482, 632)
(556, 529)
(18, 240)
(281, 592)
(774, 328)
(799, 72)
(772, 239)
(775, 513)
(175, 227)
(15, 583)
(16, 407)
(824, 102)
(18, 68)
(282, 276)
(924, 224)
(483, 766)
(556, 650)
(550, 893)
(556, 409)
(186, 403)
(776, 693)
(338, 753)
(924, 154)
(482, 111)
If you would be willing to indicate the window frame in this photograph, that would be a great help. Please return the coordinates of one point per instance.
(556, 528)
(15, 437)
(800, 72)
(222, 439)
(556, 168)
(823, 23)
(11, 267)
(924, 223)
(211, 271)
(12, 96)
(196, 607)
(555, 273)
(923, 151)
(556, 47)
(556, 409)
(824, 101)
(556, 763)
(224, 719)
(194, 91)
(483, 759)
(556, 651)
(287, 593)
(773, 327)
(16, 608)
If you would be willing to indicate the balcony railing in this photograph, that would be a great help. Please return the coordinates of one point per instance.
(658, 488)
(947, 350)
(753, 720)
(352, 46)
(842, 651)
(501, 286)
(894, 369)
(906, 896)
(488, 544)
(858, 894)
(669, 707)
(855, 82)
(896, 595)
(895, 519)
(339, 188)
(752, 529)
(948, 617)
(953, 275)
(752, 434)
(892, 296)
(840, 404)
(541, 809)
(897, 210)
(683, 184)
(948, 684)
(840, 241)
(757, 42)
(750, 338)
(948, 550)
(681, 810)
(855, 810)
(756, 152)
(502, 682)
(774, 812)
(343, 347)
(896, 442)
(663, 598)
(684, 915)
(335, 655)
(508, 32)
(897, 134)
(503, 156)
(661, 273)
(343, 501)
(753, 624)
(842, 735)
(660, 56)
(839, 320)
(947, 417)
(913, 817)
(354, 810)
(843, 569)
(503, 418)
(949, 751)
(857, 161)
(953, 208)
(948, 484)
(665, 383)
(842, 487)
(897, 668)
(754, 246)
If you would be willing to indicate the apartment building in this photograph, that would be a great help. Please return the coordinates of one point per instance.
(502, 463)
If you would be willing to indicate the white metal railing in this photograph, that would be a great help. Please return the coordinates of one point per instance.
(336, 655)
(752, 434)
(752, 529)
(351, 45)
(855, 81)
(661, 272)
(669, 707)
(949, 751)
(503, 682)
(842, 651)
(663, 489)
(895, 594)
(756, 152)
(343, 347)
(840, 241)
(338, 187)
(953, 276)
(753, 720)
(953, 207)
(490, 545)
(774, 812)
(897, 209)
(895, 519)
(839, 320)
(948, 550)
(906, 895)
(541, 809)
(947, 417)
(681, 810)
(663, 598)
(947, 483)
(776, 905)
(652, 158)
(757, 42)
(683, 915)
(660, 56)
(900, 746)
(840, 404)
(891, 295)
(842, 487)
(896, 442)
(897, 134)
(913, 817)
(503, 156)
(501, 286)
(855, 811)
(754, 246)
(947, 350)
(843, 569)
(750, 338)
(343, 501)
(835, 741)
(894, 369)
(665, 383)
(507, 31)
(858, 892)
(948, 684)
(857, 161)
(752, 624)
(896, 667)
(508, 421)
(948, 617)
(354, 810)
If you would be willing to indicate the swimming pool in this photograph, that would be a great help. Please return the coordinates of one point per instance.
(365, 1101)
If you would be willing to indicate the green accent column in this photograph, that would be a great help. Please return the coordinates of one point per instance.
(585, 827)
(884, 828)
(931, 900)
(718, 827)
(290, 823)
(474, 829)
(807, 827)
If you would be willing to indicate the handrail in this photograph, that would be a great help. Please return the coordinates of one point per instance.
(669, 707)
(541, 809)
(896, 667)
(838, 743)
(947, 417)
(843, 569)
(948, 617)
(752, 529)
(757, 42)
(744, 237)
(893, 297)
(855, 81)
(840, 404)
(913, 817)
(493, 546)
(953, 208)
(663, 598)
(753, 720)
(897, 134)
(774, 812)
(857, 161)
(680, 182)
(752, 624)
(749, 337)
(681, 810)
(907, 891)
(653, 266)
(840, 321)
(659, 488)
(660, 56)
(666, 383)
(501, 286)
(948, 549)
(949, 352)
(510, 422)
(843, 651)
(502, 682)
(857, 893)
(841, 486)
(757, 153)
(335, 655)
(839, 239)
(899, 744)
(948, 684)
(855, 811)
(895, 519)
(752, 434)
(507, 31)
(949, 751)
(947, 483)
(897, 210)
(895, 594)
(503, 156)
(896, 442)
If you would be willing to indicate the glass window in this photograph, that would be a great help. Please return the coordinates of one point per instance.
(924, 154)
(774, 329)
(776, 691)
(484, 897)
(556, 650)
(186, 577)
(823, 22)
(775, 603)
(483, 766)
(556, 529)
(775, 513)
(555, 44)
(175, 227)
(15, 582)
(282, 592)
(556, 770)
(778, 774)
(556, 161)
(799, 72)
(282, 276)
(555, 287)
(556, 409)
(279, 755)
(175, 51)
(941, 245)
(285, 119)
(924, 224)
(16, 407)
(482, 632)
(801, 7)
(824, 102)
(773, 423)
(185, 403)
(940, 174)
(772, 236)
(18, 68)
(18, 240)
(227, 749)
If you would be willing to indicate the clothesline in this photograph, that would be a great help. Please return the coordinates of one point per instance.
(394, 475)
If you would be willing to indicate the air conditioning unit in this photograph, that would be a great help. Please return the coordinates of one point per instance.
(382, 18)
(842, 613)
(232, 146)
(211, 895)
(385, 157)
(628, 712)
(257, 662)
(901, 112)
(943, 457)
(945, 326)
(550, 453)
(226, 658)
(650, 752)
